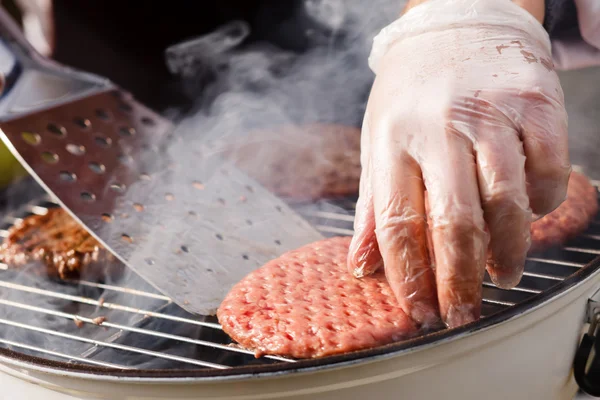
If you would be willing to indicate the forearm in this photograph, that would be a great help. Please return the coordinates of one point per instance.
(535, 7)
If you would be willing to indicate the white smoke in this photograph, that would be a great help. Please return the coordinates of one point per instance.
(236, 87)
(262, 84)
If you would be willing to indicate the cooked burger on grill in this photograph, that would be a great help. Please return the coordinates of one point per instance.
(305, 304)
(65, 248)
(571, 218)
(304, 162)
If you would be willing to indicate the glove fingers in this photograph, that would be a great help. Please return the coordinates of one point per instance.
(457, 228)
(501, 162)
(545, 142)
(363, 256)
(401, 232)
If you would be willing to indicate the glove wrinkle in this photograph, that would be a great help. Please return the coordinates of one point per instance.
(464, 139)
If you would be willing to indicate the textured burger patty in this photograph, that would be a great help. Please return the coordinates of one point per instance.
(302, 162)
(571, 218)
(57, 240)
(305, 304)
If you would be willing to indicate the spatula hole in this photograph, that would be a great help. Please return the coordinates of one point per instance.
(245, 256)
(31, 138)
(67, 176)
(75, 149)
(278, 242)
(150, 261)
(139, 207)
(83, 123)
(126, 238)
(185, 249)
(57, 130)
(118, 187)
(148, 121)
(102, 114)
(106, 217)
(103, 141)
(97, 167)
(219, 236)
(249, 221)
(49, 157)
(88, 197)
(126, 131)
(145, 177)
(198, 185)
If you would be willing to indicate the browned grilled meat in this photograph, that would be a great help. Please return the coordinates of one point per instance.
(58, 241)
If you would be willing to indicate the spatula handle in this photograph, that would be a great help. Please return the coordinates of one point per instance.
(30, 81)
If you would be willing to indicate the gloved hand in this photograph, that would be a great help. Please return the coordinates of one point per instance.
(467, 107)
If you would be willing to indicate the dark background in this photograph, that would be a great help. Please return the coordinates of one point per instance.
(125, 40)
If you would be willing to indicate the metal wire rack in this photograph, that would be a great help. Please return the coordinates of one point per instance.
(140, 328)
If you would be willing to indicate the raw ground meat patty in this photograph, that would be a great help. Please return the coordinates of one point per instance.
(302, 162)
(570, 219)
(305, 304)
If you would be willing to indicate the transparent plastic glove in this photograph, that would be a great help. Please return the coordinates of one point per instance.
(467, 107)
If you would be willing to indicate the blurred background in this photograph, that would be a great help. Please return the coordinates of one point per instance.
(126, 42)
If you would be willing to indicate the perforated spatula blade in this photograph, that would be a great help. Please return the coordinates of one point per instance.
(192, 231)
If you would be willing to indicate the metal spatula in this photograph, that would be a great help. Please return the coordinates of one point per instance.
(192, 231)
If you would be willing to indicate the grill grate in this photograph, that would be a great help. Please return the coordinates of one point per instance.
(144, 329)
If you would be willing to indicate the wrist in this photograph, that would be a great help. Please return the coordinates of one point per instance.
(534, 7)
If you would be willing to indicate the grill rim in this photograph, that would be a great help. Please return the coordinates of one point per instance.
(17, 359)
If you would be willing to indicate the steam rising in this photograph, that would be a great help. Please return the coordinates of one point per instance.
(263, 85)
(236, 87)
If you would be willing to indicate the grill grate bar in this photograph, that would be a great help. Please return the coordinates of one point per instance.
(142, 331)
(589, 236)
(98, 303)
(543, 276)
(499, 302)
(517, 289)
(119, 289)
(583, 250)
(62, 355)
(557, 262)
(113, 345)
